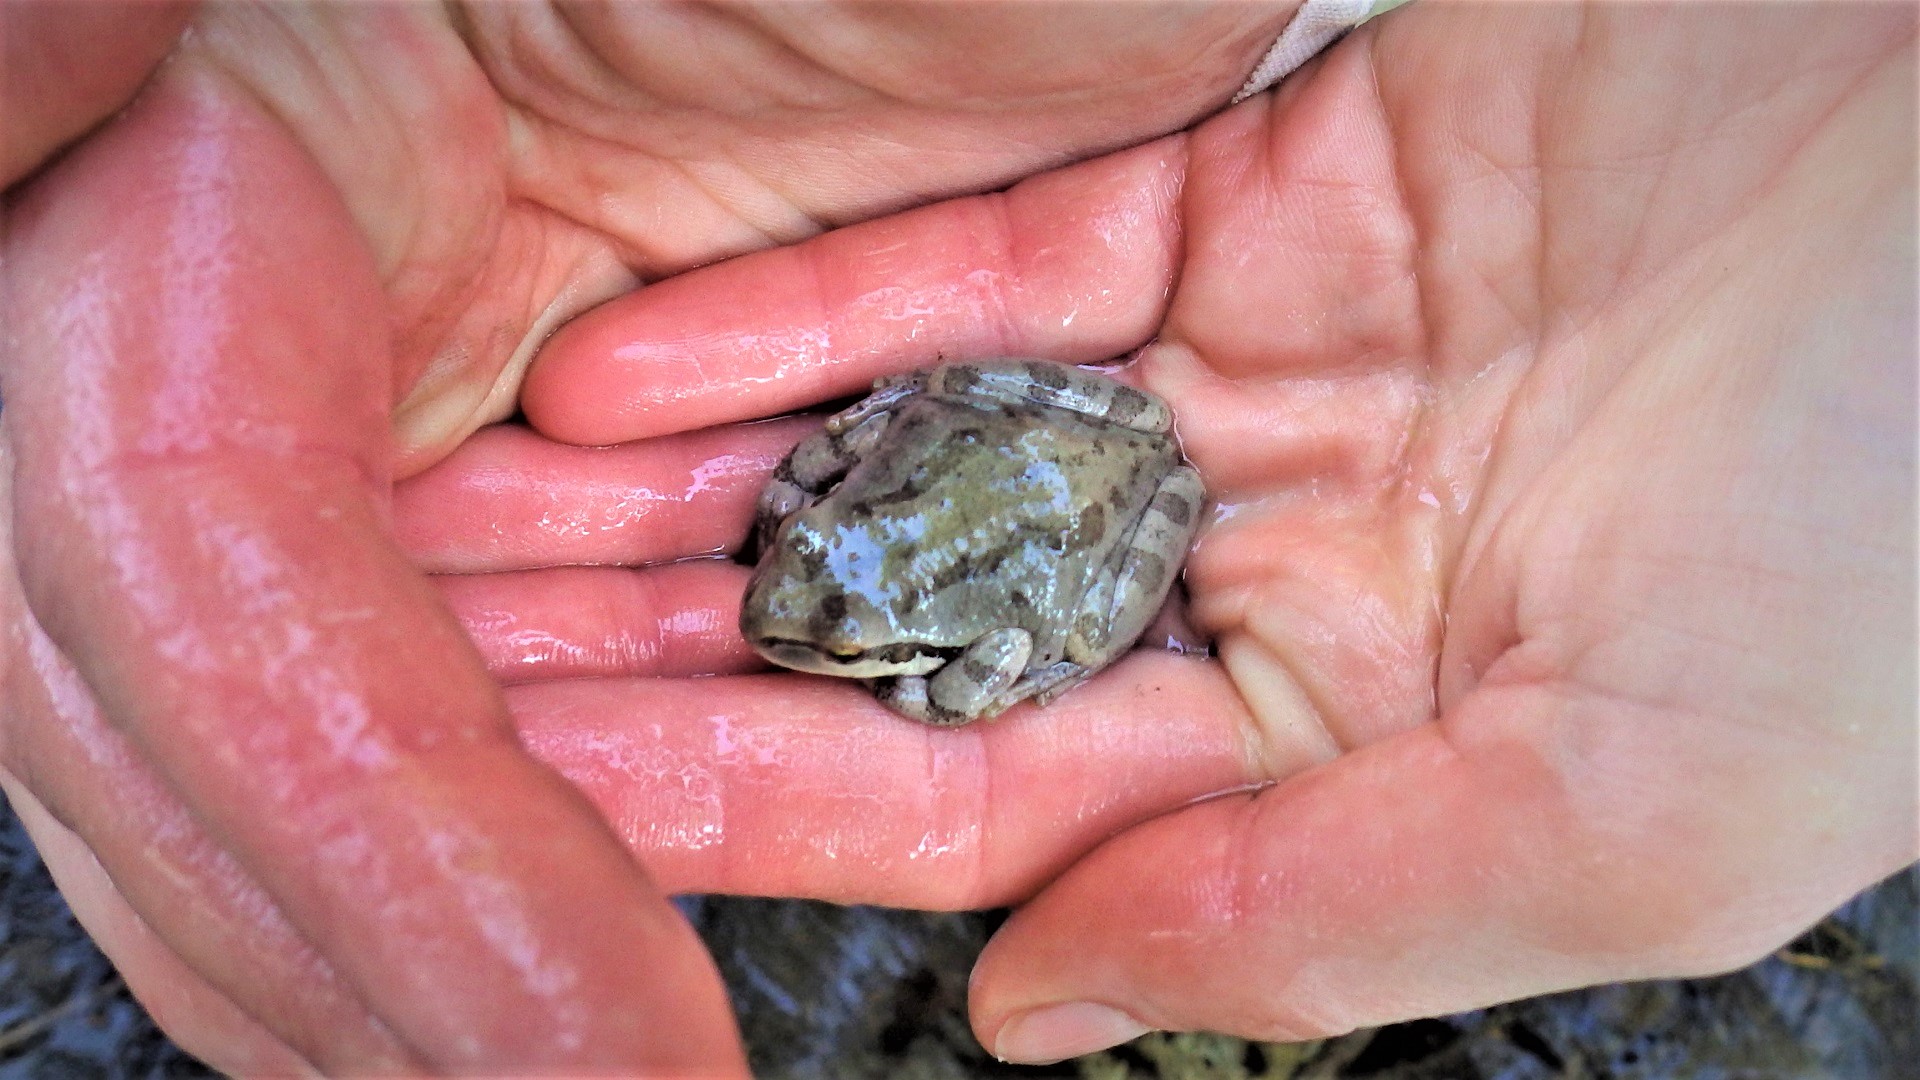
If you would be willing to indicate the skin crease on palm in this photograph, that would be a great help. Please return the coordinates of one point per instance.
(1561, 424)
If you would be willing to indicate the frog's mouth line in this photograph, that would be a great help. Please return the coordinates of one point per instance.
(898, 658)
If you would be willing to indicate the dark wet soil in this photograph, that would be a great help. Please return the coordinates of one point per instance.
(854, 993)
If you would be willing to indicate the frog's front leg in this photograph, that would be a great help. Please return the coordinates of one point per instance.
(1124, 600)
(1043, 382)
(810, 470)
(970, 686)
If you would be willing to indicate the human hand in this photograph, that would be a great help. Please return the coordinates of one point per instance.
(268, 770)
(1561, 422)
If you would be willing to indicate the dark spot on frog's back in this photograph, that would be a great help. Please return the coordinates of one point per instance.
(813, 559)
(1089, 529)
(914, 596)
(895, 563)
(985, 563)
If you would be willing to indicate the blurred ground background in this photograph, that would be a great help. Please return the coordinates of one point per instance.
(828, 993)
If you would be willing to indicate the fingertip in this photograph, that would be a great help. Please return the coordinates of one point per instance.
(1369, 890)
(734, 341)
(1075, 265)
(574, 391)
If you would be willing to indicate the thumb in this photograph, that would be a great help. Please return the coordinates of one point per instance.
(65, 67)
(1428, 873)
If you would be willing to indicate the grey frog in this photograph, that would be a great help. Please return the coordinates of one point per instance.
(972, 536)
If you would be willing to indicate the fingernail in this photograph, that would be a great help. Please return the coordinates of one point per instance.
(1055, 1032)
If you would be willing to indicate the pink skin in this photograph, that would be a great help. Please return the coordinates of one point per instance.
(511, 500)
(226, 504)
(1562, 577)
(1563, 580)
(313, 257)
(575, 622)
(62, 70)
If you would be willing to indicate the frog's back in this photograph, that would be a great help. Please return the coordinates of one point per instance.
(976, 515)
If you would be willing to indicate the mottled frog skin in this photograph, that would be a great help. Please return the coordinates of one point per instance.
(972, 536)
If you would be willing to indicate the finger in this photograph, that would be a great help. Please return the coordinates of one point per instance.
(202, 1020)
(205, 911)
(1073, 265)
(200, 529)
(796, 786)
(576, 622)
(66, 67)
(1428, 873)
(510, 500)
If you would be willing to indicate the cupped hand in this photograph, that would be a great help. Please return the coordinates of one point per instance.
(1551, 371)
(315, 253)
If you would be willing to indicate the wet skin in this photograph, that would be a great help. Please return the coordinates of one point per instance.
(1561, 428)
(973, 536)
(270, 770)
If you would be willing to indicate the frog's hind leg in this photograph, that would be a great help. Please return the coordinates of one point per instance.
(810, 470)
(1043, 382)
(1124, 598)
(970, 686)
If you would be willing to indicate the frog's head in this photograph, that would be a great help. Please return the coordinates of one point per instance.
(809, 612)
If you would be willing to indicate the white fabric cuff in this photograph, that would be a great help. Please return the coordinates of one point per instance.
(1314, 26)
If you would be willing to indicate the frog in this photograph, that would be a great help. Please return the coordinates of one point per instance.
(972, 536)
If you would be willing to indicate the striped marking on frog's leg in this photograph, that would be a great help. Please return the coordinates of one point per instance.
(1126, 595)
(1154, 556)
(1043, 382)
(972, 684)
(809, 471)
(1087, 640)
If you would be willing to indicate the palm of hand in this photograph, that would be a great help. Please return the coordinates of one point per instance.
(1327, 608)
(1591, 481)
(1494, 416)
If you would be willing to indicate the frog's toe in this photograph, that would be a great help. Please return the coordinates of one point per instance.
(907, 695)
(912, 697)
(1049, 683)
(779, 500)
